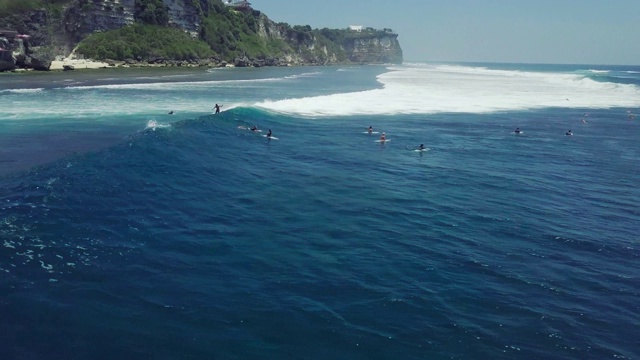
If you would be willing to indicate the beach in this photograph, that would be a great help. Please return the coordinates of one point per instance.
(77, 64)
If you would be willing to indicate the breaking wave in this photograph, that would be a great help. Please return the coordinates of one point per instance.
(427, 89)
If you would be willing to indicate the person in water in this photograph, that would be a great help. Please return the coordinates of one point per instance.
(568, 133)
(217, 108)
(254, 128)
(370, 129)
(269, 133)
(517, 131)
(383, 137)
(421, 147)
(171, 112)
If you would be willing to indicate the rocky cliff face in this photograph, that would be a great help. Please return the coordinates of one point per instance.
(85, 17)
(56, 33)
(375, 49)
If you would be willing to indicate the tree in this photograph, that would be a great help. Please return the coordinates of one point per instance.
(152, 12)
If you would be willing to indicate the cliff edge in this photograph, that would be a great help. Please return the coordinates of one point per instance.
(178, 32)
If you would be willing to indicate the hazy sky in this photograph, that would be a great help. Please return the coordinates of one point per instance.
(529, 31)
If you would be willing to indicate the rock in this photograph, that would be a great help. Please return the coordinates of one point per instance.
(7, 61)
(40, 58)
(241, 62)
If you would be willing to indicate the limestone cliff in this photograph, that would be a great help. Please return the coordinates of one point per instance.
(56, 31)
(375, 48)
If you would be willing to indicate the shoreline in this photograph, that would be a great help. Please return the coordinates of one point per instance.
(72, 64)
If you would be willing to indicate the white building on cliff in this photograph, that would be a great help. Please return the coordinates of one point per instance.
(237, 3)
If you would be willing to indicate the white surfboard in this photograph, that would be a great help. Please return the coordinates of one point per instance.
(271, 137)
(373, 132)
(383, 141)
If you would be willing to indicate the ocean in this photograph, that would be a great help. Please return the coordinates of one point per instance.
(128, 232)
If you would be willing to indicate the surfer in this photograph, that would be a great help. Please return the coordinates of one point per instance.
(383, 138)
(583, 121)
(171, 112)
(517, 131)
(269, 134)
(370, 130)
(421, 147)
(254, 128)
(217, 108)
(569, 133)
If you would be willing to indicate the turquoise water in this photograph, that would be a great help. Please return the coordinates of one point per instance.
(130, 233)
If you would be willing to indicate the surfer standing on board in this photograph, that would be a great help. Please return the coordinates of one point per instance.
(217, 108)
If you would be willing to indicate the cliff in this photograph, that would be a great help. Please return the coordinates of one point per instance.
(179, 32)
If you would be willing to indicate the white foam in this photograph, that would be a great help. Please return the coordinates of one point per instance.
(427, 89)
(153, 125)
(22, 91)
(185, 85)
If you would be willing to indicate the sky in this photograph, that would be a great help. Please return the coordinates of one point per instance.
(511, 31)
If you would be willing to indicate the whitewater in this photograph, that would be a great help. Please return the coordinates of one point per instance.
(430, 89)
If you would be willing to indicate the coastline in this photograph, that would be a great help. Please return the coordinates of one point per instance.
(72, 63)
(77, 64)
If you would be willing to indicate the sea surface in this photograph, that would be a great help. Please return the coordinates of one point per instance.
(127, 232)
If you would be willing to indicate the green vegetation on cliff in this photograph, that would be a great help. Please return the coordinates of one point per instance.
(141, 41)
(225, 32)
(232, 33)
(153, 12)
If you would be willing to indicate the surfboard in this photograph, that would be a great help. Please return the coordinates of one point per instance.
(271, 137)
(518, 133)
(421, 150)
(373, 132)
(383, 141)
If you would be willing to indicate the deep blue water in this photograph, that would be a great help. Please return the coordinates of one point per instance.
(129, 233)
